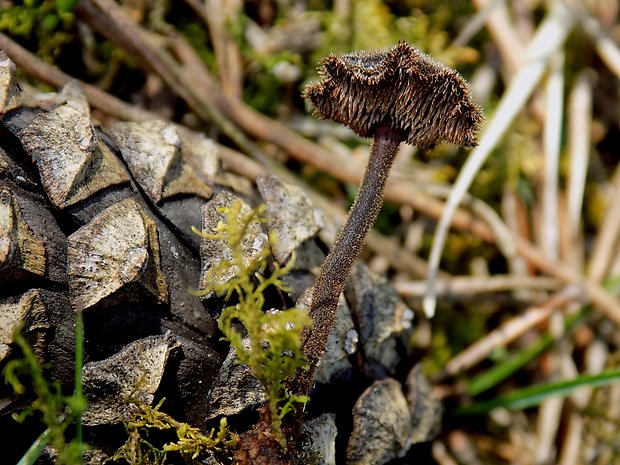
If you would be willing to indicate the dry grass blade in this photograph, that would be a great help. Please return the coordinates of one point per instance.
(48, 74)
(463, 286)
(579, 139)
(606, 241)
(502, 236)
(508, 332)
(605, 46)
(552, 136)
(505, 37)
(549, 38)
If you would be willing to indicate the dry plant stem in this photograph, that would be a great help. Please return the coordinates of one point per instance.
(552, 134)
(606, 303)
(515, 219)
(43, 72)
(605, 244)
(474, 285)
(400, 258)
(501, 28)
(579, 142)
(596, 358)
(216, 14)
(507, 332)
(219, 15)
(605, 45)
(330, 282)
(547, 424)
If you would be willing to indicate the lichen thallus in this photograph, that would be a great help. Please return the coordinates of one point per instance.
(393, 96)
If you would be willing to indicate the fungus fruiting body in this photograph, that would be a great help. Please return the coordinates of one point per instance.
(402, 88)
(393, 96)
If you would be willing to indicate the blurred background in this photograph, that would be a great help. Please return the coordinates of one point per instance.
(523, 344)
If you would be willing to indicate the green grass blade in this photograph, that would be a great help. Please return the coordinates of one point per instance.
(534, 395)
(508, 367)
(35, 450)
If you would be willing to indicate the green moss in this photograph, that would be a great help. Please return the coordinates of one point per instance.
(373, 24)
(198, 37)
(274, 350)
(50, 24)
(191, 443)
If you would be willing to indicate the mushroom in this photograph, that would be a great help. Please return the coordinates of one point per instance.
(394, 95)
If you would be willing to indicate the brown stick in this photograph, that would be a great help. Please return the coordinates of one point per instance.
(48, 74)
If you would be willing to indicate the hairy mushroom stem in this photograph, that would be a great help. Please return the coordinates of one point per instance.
(394, 95)
(333, 274)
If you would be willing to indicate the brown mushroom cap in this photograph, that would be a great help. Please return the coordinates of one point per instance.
(402, 87)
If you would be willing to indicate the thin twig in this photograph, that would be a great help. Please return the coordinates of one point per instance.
(512, 212)
(603, 300)
(552, 136)
(605, 244)
(605, 45)
(579, 122)
(508, 332)
(220, 14)
(48, 74)
(476, 285)
(506, 39)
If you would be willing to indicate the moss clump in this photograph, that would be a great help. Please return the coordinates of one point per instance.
(274, 350)
(191, 443)
(50, 24)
